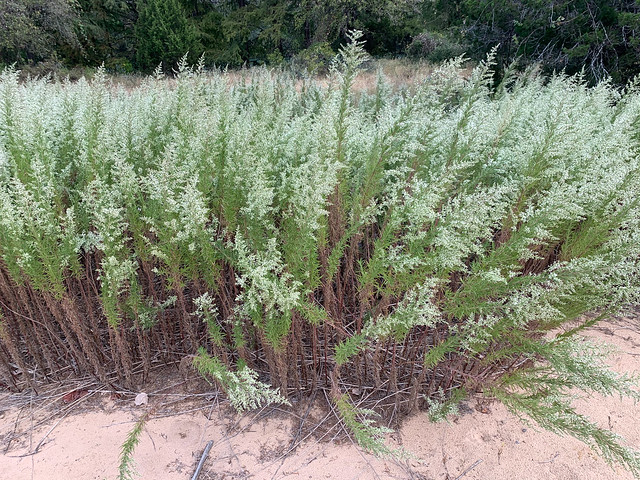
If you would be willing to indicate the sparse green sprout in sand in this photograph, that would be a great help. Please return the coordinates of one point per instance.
(126, 469)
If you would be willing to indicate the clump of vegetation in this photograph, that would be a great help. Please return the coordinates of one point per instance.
(415, 245)
(434, 47)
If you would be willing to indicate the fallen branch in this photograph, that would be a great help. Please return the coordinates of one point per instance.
(202, 460)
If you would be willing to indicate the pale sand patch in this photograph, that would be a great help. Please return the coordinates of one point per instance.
(473, 446)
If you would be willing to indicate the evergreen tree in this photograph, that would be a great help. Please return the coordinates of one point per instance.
(105, 30)
(599, 35)
(164, 34)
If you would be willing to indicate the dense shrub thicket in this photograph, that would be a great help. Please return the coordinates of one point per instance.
(396, 249)
(601, 36)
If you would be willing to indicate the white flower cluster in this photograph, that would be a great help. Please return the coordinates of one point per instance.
(243, 388)
(264, 280)
(246, 392)
(493, 209)
(417, 308)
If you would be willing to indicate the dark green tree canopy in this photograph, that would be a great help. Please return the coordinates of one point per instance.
(164, 33)
(105, 29)
(599, 36)
(33, 30)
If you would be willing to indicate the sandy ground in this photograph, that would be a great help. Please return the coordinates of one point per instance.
(80, 438)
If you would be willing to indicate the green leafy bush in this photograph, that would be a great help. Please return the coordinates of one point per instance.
(434, 47)
(314, 60)
(411, 246)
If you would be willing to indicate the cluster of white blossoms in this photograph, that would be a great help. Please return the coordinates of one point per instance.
(492, 211)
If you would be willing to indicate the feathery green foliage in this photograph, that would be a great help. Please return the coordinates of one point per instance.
(297, 236)
(544, 393)
(126, 469)
(359, 421)
(244, 390)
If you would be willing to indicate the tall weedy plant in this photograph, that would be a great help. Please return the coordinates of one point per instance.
(407, 248)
